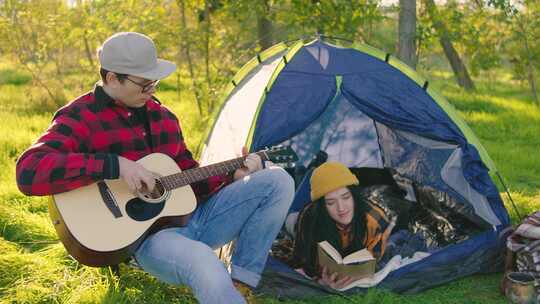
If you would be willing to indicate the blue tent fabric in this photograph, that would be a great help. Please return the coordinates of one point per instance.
(293, 103)
(307, 84)
(304, 88)
(303, 193)
(451, 253)
(324, 59)
(478, 254)
(401, 104)
(418, 163)
(301, 93)
(337, 132)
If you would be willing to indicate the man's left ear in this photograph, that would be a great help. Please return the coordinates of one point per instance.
(112, 79)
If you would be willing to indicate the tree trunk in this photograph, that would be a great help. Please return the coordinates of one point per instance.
(264, 26)
(208, 33)
(458, 67)
(89, 54)
(87, 49)
(407, 32)
(184, 44)
(532, 84)
(530, 64)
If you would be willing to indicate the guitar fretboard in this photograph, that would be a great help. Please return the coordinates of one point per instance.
(194, 175)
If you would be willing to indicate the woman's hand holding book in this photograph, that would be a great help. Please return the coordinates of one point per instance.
(333, 280)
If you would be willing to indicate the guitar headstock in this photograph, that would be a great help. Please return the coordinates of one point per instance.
(280, 154)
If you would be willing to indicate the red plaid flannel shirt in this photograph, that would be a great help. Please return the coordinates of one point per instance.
(85, 137)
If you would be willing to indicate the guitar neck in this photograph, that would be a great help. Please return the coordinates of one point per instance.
(194, 175)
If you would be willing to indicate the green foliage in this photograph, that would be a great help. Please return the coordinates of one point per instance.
(34, 267)
(50, 39)
(34, 33)
(476, 31)
(482, 38)
(352, 20)
(523, 45)
(48, 52)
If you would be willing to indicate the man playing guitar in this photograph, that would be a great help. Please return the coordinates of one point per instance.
(100, 136)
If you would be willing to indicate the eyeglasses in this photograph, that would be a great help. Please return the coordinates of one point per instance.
(145, 87)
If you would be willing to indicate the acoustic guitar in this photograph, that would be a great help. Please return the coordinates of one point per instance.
(103, 223)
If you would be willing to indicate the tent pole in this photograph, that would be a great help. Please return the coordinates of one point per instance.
(509, 196)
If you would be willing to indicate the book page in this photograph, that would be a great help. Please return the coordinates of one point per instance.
(358, 257)
(331, 251)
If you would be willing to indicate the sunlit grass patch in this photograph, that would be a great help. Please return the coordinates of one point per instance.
(470, 102)
(135, 285)
(7, 247)
(518, 164)
(32, 270)
(19, 225)
(18, 133)
(18, 276)
(481, 117)
(14, 77)
(477, 289)
(526, 204)
(44, 277)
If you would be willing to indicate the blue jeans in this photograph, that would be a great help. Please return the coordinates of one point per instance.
(250, 210)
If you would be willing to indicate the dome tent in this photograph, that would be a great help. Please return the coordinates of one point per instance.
(365, 108)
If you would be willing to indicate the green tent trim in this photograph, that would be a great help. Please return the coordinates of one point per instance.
(239, 76)
(284, 60)
(448, 108)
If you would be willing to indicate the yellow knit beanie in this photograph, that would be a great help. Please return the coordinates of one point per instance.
(328, 177)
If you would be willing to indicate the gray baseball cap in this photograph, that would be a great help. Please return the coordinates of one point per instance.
(133, 54)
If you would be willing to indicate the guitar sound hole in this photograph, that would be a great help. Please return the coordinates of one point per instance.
(158, 191)
(157, 195)
(140, 210)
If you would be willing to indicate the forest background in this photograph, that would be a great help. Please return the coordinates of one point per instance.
(484, 56)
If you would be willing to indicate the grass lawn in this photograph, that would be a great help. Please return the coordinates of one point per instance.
(34, 267)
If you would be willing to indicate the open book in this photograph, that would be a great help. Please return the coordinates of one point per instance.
(359, 264)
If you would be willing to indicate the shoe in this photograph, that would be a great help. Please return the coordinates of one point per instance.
(246, 291)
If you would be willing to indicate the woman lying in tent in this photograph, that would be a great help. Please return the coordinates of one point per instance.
(341, 217)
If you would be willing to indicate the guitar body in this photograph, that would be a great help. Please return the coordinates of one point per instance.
(103, 223)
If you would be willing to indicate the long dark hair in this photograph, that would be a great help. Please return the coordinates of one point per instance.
(315, 225)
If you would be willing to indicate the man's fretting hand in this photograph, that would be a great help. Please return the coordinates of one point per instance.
(252, 163)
